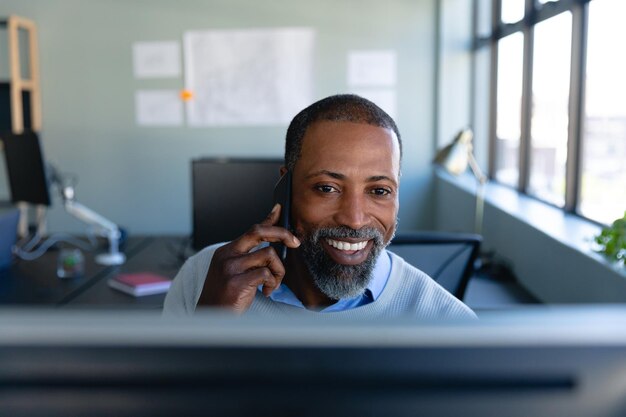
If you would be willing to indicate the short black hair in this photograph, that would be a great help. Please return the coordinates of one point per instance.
(341, 107)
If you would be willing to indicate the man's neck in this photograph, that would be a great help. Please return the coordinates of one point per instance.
(300, 282)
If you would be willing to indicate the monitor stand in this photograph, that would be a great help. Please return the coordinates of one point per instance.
(23, 224)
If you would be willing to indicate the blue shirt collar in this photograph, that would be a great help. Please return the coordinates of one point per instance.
(380, 275)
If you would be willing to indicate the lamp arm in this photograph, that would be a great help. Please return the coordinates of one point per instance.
(89, 216)
(480, 192)
(478, 173)
(105, 227)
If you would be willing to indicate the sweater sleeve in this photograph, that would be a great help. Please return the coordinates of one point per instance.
(182, 298)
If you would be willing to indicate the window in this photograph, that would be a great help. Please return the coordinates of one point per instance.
(509, 88)
(558, 114)
(603, 187)
(550, 101)
(512, 11)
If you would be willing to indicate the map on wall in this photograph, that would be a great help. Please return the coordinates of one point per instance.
(248, 77)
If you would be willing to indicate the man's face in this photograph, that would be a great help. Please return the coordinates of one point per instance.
(345, 202)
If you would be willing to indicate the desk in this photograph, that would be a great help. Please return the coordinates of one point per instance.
(34, 283)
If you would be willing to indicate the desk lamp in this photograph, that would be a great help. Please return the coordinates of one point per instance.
(454, 158)
(103, 226)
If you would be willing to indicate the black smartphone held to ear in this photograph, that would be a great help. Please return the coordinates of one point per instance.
(282, 196)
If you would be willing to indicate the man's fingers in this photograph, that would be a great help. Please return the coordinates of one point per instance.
(274, 215)
(263, 258)
(260, 233)
(260, 276)
(235, 273)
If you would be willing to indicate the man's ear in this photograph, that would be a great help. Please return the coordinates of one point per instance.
(283, 170)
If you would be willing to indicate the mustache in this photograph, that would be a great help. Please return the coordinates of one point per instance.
(338, 232)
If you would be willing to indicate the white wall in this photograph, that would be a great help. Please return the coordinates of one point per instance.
(453, 112)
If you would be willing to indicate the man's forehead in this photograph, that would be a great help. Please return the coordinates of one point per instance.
(329, 132)
(342, 144)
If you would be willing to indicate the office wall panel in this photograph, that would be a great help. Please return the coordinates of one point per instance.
(140, 176)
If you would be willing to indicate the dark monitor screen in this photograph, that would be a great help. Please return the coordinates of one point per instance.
(25, 168)
(5, 106)
(229, 196)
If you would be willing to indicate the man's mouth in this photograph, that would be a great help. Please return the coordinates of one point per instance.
(348, 253)
(347, 246)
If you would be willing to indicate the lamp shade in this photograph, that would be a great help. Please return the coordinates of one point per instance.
(454, 157)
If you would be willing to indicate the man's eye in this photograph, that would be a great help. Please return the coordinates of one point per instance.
(326, 188)
(381, 191)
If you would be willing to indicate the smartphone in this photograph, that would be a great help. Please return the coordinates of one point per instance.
(282, 196)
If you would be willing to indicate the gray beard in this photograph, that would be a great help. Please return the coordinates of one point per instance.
(334, 280)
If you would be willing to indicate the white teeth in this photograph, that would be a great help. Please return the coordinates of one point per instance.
(338, 244)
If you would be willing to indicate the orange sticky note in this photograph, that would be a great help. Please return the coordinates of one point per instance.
(186, 95)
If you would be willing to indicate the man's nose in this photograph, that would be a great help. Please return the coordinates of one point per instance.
(352, 211)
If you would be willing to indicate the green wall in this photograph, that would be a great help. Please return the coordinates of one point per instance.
(140, 177)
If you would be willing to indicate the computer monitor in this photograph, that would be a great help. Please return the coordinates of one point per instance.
(229, 196)
(5, 105)
(81, 364)
(25, 168)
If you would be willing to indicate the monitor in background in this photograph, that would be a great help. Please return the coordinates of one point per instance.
(229, 196)
(447, 257)
(5, 104)
(25, 168)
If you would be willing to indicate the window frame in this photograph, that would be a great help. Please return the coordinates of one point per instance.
(534, 14)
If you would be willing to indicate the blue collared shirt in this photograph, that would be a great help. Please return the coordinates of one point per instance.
(380, 275)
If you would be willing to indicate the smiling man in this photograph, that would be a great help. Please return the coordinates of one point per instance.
(343, 153)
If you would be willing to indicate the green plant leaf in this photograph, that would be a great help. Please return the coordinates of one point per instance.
(612, 241)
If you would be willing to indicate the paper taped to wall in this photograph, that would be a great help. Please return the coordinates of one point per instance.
(248, 77)
(156, 59)
(385, 98)
(158, 108)
(372, 68)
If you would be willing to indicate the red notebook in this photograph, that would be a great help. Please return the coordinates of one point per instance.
(142, 283)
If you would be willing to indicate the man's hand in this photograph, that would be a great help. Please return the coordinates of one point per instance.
(235, 272)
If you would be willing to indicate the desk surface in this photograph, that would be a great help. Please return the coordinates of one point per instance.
(36, 283)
